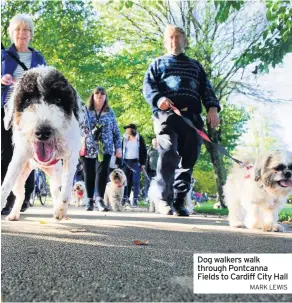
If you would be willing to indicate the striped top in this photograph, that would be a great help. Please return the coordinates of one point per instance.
(26, 59)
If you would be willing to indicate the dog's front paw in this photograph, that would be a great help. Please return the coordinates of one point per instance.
(278, 228)
(60, 211)
(236, 224)
(273, 227)
(13, 216)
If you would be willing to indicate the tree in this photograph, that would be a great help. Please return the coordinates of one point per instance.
(276, 39)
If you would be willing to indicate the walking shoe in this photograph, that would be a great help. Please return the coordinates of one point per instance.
(99, 203)
(6, 211)
(179, 207)
(90, 204)
(25, 206)
(9, 205)
(135, 203)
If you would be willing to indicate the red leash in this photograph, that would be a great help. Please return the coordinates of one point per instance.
(203, 135)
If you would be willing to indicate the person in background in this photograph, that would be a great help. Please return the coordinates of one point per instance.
(101, 137)
(79, 173)
(134, 158)
(151, 165)
(176, 82)
(21, 31)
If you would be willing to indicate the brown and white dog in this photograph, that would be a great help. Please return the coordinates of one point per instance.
(256, 193)
(114, 191)
(79, 195)
(45, 112)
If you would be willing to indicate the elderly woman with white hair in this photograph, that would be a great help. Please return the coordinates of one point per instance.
(14, 60)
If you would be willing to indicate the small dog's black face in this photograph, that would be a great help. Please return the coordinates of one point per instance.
(275, 171)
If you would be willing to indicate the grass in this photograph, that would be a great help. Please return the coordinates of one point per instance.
(208, 209)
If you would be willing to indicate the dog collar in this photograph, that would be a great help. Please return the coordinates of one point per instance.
(51, 163)
(247, 175)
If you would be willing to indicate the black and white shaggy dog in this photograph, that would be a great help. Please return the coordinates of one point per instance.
(45, 112)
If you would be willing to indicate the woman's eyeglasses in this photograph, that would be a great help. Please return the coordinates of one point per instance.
(26, 30)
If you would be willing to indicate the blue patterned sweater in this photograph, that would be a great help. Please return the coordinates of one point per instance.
(182, 80)
(110, 134)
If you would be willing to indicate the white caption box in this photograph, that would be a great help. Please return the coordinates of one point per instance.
(242, 273)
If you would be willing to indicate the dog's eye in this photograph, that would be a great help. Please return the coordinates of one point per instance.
(290, 166)
(28, 101)
(58, 100)
(280, 167)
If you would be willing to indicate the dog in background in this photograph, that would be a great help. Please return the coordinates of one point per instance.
(79, 195)
(114, 190)
(189, 202)
(256, 193)
(45, 112)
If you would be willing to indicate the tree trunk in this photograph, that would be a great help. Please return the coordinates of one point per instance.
(217, 162)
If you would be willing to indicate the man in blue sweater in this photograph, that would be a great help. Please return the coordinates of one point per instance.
(177, 80)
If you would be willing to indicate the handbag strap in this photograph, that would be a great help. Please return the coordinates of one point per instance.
(17, 60)
(98, 116)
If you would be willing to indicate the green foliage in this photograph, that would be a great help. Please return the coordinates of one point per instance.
(67, 34)
(205, 180)
(276, 40)
(225, 7)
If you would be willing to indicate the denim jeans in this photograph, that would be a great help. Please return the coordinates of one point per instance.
(132, 170)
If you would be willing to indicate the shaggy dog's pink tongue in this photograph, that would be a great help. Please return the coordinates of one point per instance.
(286, 183)
(44, 151)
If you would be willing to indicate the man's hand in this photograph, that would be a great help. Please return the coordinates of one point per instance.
(164, 103)
(7, 79)
(213, 117)
(142, 167)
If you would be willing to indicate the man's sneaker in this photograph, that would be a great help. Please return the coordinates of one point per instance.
(90, 205)
(179, 207)
(99, 203)
(25, 206)
(135, 203)
(6, 211)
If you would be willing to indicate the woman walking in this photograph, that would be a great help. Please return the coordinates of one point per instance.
(101, 138)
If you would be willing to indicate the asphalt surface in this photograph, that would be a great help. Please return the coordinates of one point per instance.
(91, 257)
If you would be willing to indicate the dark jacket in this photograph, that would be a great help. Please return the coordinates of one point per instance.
(9, 65)
(142, 148)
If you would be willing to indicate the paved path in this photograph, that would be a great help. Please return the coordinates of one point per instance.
(45, 260)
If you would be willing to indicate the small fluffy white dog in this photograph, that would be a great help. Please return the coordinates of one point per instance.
(45, 112)
(114, 191)
(79, 195)
(255, 194)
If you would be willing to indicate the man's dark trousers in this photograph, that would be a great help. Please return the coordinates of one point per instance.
(179, 149)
